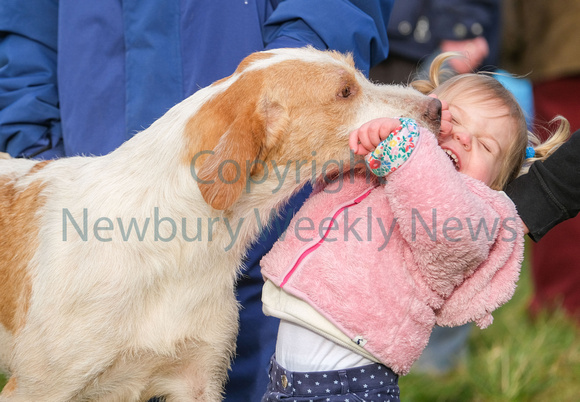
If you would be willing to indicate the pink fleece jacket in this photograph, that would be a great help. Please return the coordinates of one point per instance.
(431, 246)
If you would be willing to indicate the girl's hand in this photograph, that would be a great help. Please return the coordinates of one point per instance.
(446, 118)
(366, 138)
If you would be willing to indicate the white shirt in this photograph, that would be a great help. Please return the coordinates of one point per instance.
(300, 349)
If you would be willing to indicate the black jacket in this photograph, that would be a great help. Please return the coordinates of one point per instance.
(550, 192)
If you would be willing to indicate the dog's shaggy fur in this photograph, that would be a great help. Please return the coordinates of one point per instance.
(117, 272)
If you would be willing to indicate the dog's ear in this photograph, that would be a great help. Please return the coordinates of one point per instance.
(223, 173)
(243, 146)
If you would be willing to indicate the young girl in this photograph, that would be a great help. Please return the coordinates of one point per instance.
(362, 275)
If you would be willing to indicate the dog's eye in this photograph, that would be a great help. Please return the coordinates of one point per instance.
(345, 93)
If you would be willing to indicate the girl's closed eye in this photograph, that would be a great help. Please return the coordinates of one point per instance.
(486, 146)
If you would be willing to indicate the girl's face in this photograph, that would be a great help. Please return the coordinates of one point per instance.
(479, 139)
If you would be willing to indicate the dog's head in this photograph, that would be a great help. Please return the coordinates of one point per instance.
(287, 106)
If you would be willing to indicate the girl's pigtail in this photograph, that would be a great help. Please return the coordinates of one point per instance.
(437, 73)
(542, 150)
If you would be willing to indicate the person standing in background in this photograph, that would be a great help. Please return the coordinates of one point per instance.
(420, 29)
(82, 76)
(539, 42)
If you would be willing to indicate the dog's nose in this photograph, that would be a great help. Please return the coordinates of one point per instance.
(433, 112)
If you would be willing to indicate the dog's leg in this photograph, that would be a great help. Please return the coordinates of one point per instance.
(201, 377)
(124, 381)
(8, 390)
(13, 392)
(41, 374)
(112, 386)
(200, 371)
(27, 391)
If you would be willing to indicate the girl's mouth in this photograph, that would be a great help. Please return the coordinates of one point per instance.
(453, 158)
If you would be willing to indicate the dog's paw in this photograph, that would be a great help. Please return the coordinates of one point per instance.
(4, 156)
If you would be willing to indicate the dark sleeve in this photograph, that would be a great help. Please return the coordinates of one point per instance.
(461, 19)
(417, 27)
(550, 192)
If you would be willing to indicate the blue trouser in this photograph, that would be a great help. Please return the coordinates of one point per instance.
(374, 382)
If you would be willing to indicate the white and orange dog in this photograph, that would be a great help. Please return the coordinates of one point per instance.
(117, 273)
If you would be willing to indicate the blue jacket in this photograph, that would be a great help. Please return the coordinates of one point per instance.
(93, 73)
(83, 76)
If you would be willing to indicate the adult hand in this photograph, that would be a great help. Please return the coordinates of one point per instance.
(474, 51)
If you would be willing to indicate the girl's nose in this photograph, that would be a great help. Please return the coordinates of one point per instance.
(464, 139)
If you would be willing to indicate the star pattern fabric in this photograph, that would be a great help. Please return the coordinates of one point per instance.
(371, 383)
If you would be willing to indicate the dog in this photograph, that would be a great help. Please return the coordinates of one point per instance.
(117, 272)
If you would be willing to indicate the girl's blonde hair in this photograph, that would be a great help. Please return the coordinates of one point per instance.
(484, 87)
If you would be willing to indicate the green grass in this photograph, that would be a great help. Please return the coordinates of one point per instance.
(515, 359)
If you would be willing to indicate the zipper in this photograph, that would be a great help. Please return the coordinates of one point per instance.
(312, 248)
